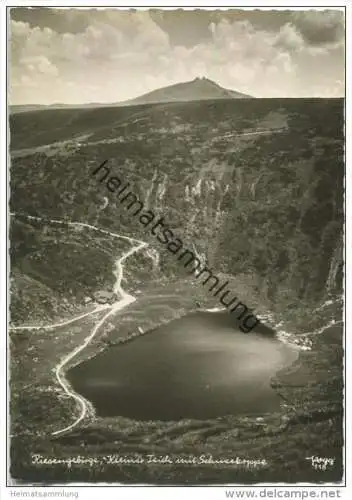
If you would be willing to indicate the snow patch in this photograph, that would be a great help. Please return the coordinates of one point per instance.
(216, 309)
(187, 195)
(196, 190)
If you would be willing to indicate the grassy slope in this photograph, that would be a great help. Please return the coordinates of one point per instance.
(54, 268)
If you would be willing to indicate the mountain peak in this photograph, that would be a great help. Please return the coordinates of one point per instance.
(200, 88)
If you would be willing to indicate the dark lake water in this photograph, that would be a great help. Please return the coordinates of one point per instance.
(200, 366)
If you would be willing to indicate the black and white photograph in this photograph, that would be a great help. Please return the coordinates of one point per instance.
(176, 249)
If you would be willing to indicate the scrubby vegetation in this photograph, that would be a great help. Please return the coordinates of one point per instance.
(271, 205)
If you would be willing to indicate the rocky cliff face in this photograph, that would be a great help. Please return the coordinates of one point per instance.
(255, 187)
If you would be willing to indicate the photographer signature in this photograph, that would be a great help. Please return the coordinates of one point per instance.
(321, 463)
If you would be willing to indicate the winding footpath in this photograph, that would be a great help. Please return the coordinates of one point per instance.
(75, 224)
(63, 323)
(125, 300)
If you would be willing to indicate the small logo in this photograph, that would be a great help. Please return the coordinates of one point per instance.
(321, 463)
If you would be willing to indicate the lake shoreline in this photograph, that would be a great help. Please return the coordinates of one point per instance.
(149, 325)
(178, 314)
(203, 367)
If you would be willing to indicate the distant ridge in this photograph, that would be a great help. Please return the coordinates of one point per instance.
(195, 90)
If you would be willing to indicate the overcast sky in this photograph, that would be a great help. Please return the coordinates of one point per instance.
(78, 56)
